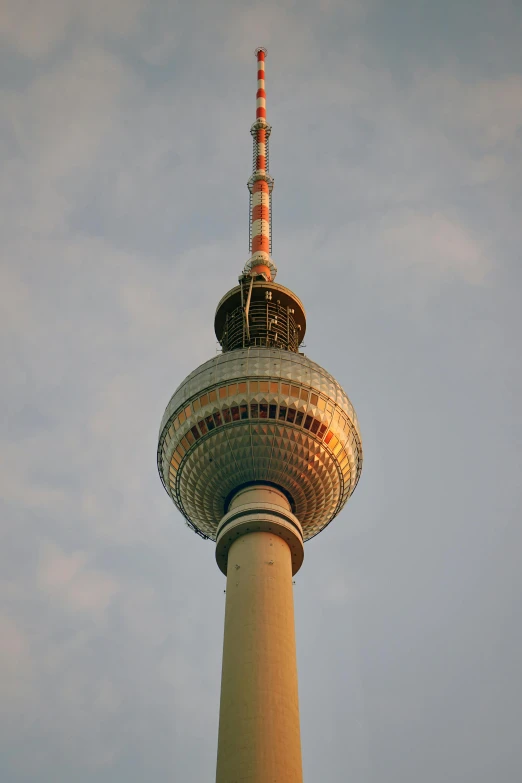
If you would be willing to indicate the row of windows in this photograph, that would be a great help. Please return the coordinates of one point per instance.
(258, 387)
(258, 411)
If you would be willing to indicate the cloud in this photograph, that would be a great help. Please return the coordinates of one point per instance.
(54, 128)
(433, 244)
(36, 27)
(14, 655)
(68, 578)
(490, 108)
(123, 208)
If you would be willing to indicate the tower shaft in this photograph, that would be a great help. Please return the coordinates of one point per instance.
(259, 736)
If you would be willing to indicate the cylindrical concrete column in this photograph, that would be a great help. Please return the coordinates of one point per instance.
(259, 736)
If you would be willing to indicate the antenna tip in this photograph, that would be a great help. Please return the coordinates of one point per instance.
(260, 49)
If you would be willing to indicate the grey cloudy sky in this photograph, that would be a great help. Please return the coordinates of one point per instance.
(397, 155)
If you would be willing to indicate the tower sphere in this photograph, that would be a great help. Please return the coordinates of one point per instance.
(259, 415)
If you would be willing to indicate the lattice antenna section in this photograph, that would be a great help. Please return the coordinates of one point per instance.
(260, 186)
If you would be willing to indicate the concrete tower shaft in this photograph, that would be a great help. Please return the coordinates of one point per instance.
(259, 736)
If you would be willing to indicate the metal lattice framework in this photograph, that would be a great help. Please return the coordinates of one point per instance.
(270, 325)
(267, 216)
(260, 185)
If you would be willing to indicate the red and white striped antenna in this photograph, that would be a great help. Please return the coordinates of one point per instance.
(260, 186)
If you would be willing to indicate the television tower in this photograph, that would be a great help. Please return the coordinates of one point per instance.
(259, 448)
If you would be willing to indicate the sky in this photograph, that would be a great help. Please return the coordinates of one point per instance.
(397, 156)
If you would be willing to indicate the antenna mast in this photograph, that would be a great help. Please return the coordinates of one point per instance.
(260, 186)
